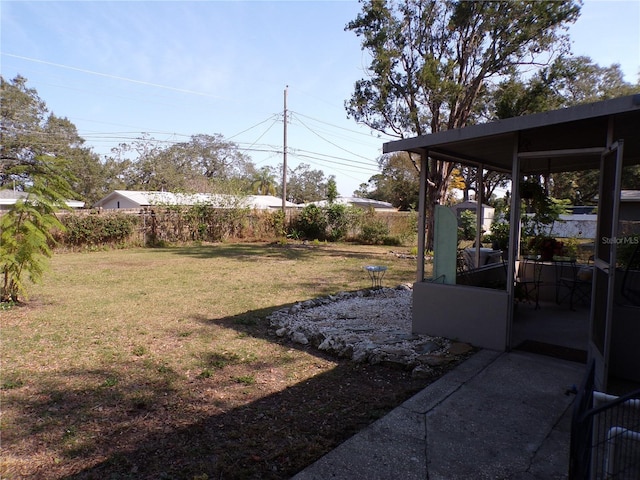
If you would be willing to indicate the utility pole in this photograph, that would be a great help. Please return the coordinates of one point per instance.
(284, 157)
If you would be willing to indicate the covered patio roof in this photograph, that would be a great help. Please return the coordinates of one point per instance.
(557, 141)
(584, 137)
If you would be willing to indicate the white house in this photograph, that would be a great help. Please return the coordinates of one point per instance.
(132, 199)
(10, 197)
(365, 203)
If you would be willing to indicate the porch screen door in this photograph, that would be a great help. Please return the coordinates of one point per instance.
(605, 261)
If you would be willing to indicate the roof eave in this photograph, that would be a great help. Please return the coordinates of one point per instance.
(511, 126)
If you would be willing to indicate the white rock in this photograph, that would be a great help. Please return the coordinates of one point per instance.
(299, 337)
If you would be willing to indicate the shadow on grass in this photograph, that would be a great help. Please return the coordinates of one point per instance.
(249, 251)
(271, 438)
(132, 425)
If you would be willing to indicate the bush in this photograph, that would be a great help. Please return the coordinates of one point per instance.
(97, 230)
(337, 222)
(312, 223)
(467, 225)
(277, 223)
(499, 235)
(374, 232)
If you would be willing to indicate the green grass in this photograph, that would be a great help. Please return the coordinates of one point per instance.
(115, 347)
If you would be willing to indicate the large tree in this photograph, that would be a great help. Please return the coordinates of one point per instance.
(29, 131)
(568, 81)
(305, 185)
(431, 62)
(397, 182)
(205, 163)
(490, 181)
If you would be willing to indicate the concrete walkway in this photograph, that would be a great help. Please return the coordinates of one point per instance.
(496, 416)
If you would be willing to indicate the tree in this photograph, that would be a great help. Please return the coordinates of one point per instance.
(26, 228)
(264, 182)
(566, 82)
(332, 189)
(88, 173)
(29, 130)
(305, 185)
(30, 163)
(431, 63)
(213, 157)
(490, 181)
(397, 183)
(205, 163)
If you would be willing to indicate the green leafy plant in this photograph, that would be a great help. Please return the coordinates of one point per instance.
(337, 221)
(312, 222)
(499, 235)
(374, 232)
(467, 225)
(540, 211)
(98, 230)
(570, 248)
(26, 230)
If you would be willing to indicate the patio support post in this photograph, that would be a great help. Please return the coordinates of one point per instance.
(514, 236)
(422, 208)
(479, 211)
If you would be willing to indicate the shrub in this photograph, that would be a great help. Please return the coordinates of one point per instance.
(391, 241)
(374, 232)
(277, 223)
(96, 230)
(312, 223)
(337, 222)
(499, 235)
(467, 225)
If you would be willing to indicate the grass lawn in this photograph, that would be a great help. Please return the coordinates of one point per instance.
(158, 363)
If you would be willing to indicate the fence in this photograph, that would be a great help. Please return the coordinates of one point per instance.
(605, 434)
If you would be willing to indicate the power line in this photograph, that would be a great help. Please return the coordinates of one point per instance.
(332, 162)
(341, 170)
(332, 143)
(340, 128)
(253, 147)
(115, 77)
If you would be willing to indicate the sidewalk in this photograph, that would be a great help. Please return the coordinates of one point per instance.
(496, 416)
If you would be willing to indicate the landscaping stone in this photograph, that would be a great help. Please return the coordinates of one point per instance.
(371, 326)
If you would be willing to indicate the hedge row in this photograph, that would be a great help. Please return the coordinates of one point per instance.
(203, 223)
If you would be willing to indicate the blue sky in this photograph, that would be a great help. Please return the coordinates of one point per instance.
(175, 69)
